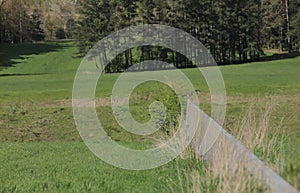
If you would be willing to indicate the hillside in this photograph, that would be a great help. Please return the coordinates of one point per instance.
(19, 19)
(42, 150)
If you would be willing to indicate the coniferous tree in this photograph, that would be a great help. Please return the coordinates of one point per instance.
(70, 28)
(94, 23)
(37, 33)
(234, 31)
(294, 24)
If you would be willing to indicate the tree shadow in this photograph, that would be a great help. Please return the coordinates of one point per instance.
(12, 54)
(265, 59)
(35, 74)
(279, 56)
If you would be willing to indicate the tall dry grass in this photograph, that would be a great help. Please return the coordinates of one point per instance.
(254, 128)
(261, 134)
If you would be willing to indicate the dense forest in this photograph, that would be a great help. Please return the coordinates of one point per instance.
(36, 20)
(234, 31)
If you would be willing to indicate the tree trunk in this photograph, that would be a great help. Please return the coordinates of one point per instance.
(281, 40)
(20, 27)
(288, 25)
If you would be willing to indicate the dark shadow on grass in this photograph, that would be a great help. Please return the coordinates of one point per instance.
(11, 52)
(9, 75)
(280, 56)
(264, 59)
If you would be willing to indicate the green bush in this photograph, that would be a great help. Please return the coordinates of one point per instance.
(60, 33)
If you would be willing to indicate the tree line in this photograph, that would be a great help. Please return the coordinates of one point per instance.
(36, 20)
(234, 31)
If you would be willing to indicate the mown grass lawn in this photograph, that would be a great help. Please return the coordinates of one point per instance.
(40, 146)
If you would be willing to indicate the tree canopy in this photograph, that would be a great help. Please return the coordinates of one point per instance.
(34, 20)
(234, 31)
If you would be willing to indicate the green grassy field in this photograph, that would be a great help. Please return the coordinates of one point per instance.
(41, 149)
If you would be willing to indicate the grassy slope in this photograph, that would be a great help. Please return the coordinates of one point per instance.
(35, 92)
(52, 72)
(70, 167)
(47, 75)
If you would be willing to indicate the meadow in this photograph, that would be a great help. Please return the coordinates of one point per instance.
(41, 150)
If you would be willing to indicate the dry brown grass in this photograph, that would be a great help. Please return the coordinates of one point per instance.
(255, 130)
(262, 136)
